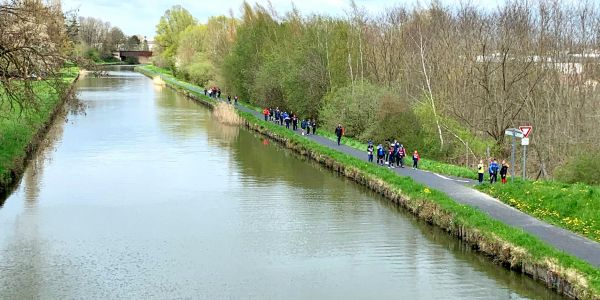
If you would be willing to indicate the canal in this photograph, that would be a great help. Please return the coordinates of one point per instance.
(146, 195)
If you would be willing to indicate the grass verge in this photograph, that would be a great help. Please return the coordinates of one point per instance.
(575, 207)
(511, 246)
(443, 211)
(19, 128)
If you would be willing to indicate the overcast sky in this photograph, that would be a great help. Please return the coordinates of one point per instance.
(141, 16)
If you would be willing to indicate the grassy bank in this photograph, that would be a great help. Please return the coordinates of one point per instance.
(18, 129)
(425, 164)
(510, 246)
(572, 206)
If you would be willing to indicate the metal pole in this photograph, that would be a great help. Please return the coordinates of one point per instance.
(512, 159)
(524, 160)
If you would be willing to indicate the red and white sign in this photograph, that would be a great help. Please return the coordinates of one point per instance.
(526, 130)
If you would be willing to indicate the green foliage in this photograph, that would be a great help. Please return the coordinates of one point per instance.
(132, 60)
(575, 207)
(171, 25)
(200, 70)
(92, 54)
(463, 216)
(355, 107)
(109, 59)
(583, 167)
(18, 127)
(133, 43)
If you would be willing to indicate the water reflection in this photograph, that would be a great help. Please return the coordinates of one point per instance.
(148, 196)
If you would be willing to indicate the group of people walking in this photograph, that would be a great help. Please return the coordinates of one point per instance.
(281, 117)
(215, 93)
(392, 154)
(493, 169)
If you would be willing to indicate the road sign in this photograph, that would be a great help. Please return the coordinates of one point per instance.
(525, 142)
(514, 133)
(526, 130)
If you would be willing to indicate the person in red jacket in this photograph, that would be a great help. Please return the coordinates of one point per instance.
(266, 114)
(416, 159)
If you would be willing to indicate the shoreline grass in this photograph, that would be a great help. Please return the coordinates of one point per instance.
(18, 128)
(524, 249)
(563, 209)
(463, 216)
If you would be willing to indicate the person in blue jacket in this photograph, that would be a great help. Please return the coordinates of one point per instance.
(493, 170)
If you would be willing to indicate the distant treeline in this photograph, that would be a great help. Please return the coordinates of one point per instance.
(444, 80)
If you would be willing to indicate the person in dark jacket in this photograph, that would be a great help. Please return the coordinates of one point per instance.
(314, 126)
(294, 122)
(401, 155)
(493, 170)
(380, 154)
(339, 131)
(504, 171)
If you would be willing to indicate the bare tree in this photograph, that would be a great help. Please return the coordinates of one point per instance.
(33, 45)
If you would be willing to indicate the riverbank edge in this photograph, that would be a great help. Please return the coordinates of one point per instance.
(20, 163)
(560, 272)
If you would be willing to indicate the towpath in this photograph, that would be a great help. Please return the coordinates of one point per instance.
(462, 191)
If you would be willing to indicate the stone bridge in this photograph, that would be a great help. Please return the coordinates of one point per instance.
(143, 57)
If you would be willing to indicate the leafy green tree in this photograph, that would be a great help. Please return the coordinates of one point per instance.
(133, 43)
(171, 25)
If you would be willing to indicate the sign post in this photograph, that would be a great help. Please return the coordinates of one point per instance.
(514, 133)
(526, 130)
(524, 143)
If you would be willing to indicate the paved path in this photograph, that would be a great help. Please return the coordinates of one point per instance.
(461, 190)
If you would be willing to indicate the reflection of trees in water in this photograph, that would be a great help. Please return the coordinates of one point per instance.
(36, 164)
(341, 200)
(72, 108)
(269, 162)
(179, 116)
(465, 256)
(219, 134)
(22, 262)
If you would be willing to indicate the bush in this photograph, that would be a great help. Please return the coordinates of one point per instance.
(583, 167)
(132, 60)
(92, 54)
(108, 58)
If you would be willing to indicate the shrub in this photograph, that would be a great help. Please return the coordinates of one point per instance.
(92, 54)
(132, 60)
(583, 167)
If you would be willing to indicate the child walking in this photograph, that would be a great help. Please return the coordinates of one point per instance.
(504, 171)
(416, 159)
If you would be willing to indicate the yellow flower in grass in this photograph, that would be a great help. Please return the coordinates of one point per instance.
(427, 191)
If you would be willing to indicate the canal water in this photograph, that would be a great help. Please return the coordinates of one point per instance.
(146, 195)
